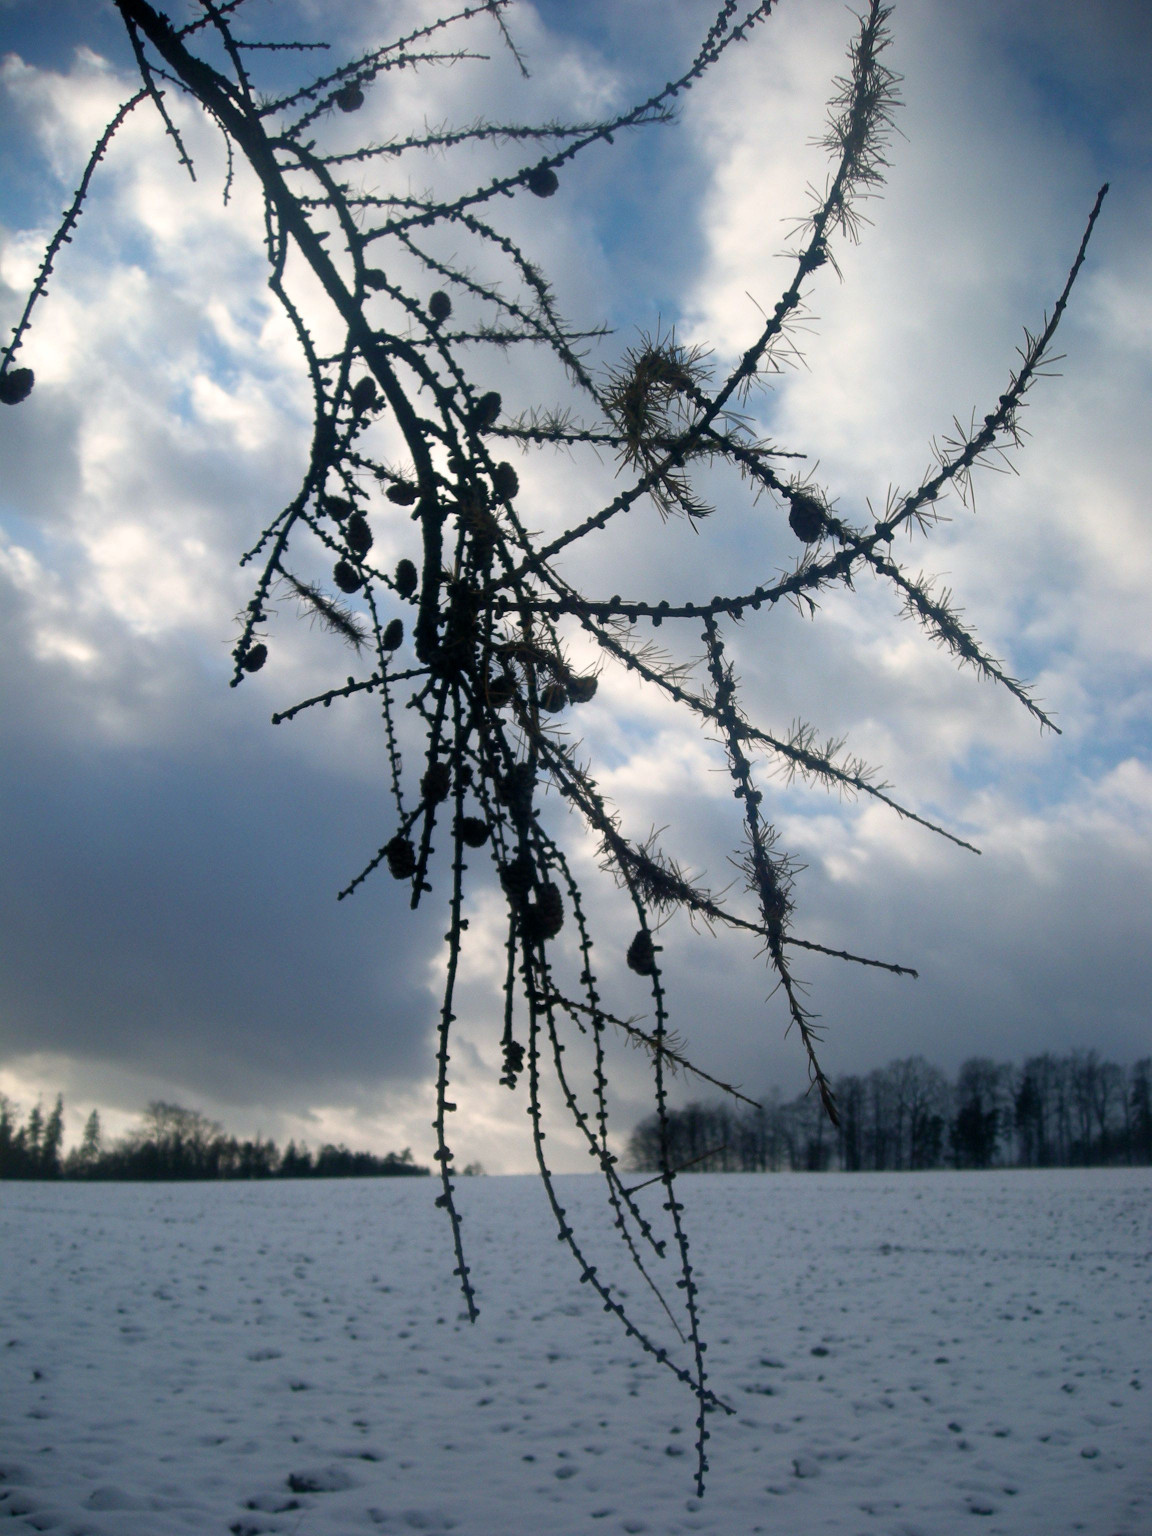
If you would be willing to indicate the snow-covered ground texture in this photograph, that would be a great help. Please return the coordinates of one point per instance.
(907, 1354)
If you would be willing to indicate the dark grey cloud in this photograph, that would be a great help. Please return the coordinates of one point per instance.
(170, 906)
(1040, 944)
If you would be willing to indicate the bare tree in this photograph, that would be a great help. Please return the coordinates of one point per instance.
(471, 634)
(1138, 1112)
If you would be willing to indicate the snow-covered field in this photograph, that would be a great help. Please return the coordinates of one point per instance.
(906, 1354)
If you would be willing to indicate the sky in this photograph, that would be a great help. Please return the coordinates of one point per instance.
(169, 862)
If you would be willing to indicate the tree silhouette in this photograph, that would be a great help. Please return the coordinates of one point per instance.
(907, 1115)
(91, 1143)
(472, 633)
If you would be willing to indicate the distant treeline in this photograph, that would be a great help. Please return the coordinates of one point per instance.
(1072, 1111)
(173, 1143)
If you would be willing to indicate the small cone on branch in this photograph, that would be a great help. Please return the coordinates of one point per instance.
(254, 658)
(436, 783)
(517, 875)
(542, 181)
(403, 493)
(439, 306)
(401, 858)
(16, 385)
(642, 954)
(501, 690)
(358, 535)
(473, 831)
(581, 689)
(363, 395)
(516, 788)
(394, 635)
(346, 577)
(405, 578)
(806, 517)
(544, 918)
(484, 413)
(553, 697)
(505, 481)
(350, 98)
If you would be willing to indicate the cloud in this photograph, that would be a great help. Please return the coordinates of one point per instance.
(168, 872)
(158, 908)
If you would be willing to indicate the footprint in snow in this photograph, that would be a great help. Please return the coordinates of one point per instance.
(320, 1480)
(428, 1520)
(107, 1497)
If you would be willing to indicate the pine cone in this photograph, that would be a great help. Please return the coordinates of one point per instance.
(358, 535)
(347, 578)
(516, 877)
(484, 413)
(436, 783)
(542, 181)
(363, 395)
(505, 481)
(642, 954)
(544, 918)
(581, 689)
(501, 690)
(16, 385)
(401, 857)
(806, 517)
(515, 789)
(472, 831)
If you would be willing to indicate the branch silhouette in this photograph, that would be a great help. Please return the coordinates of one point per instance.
(470, 633)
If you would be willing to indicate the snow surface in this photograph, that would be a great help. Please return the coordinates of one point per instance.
(907, 1354)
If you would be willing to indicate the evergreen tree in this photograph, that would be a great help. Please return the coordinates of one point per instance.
(53, 1141)
(975, 1128)
(11, 1150)
(34, 1135)
(296, 1162)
